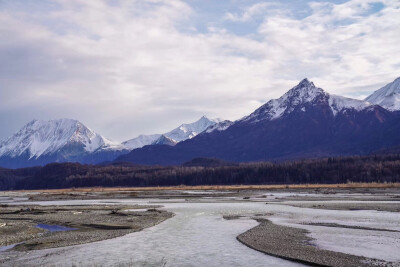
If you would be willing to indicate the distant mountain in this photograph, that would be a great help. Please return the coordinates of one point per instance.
(388, 96)
(190, 130)
(305, 122)
(181, 133)
(66, 140)
(40, 142)
(301, 97)
(141, 141)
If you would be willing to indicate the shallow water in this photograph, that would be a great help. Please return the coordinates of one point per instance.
(54, 228)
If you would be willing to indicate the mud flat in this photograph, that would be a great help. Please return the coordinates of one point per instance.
(294, 244)
(20, 225)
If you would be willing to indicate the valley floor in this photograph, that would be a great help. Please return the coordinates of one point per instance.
(334, 225)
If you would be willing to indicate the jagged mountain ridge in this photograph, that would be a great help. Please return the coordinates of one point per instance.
(141, 141)
(47, 137)
(181, 133)
(305, 122)
(299, 97)
(66, 140)
(190, 130)
(41, 142)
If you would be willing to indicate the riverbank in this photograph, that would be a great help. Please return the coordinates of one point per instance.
(281, 193)
(90, 224)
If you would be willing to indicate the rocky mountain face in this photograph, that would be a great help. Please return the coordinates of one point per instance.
(305, 122)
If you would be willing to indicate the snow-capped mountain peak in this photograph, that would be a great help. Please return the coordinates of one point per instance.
(305, 91)
(190, 130)
(388, 96)
(303, 94)
(40, 137)
(183, 132)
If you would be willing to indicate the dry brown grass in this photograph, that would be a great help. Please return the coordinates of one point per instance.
(221, 187)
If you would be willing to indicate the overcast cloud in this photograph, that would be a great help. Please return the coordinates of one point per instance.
(145, 66)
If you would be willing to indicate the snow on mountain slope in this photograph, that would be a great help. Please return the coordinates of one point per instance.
(298, 97)
(340, 103)
(40, 137)
(141, 141)
(190, 130)
(164, 140)
(388, 96)
(181, 133)
(220, 126)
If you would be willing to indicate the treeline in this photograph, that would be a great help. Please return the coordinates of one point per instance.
(10, 177)
(378, 168)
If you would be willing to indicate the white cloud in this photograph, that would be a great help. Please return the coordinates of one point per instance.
(341, 49)
(250, 12)
(131, 67)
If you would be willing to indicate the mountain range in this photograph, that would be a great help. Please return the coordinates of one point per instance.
(305, 122)
(66, 140)
(181, 133)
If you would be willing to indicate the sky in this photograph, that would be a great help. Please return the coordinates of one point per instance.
(130, 67)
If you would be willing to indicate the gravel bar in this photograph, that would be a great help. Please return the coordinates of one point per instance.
(293, 244)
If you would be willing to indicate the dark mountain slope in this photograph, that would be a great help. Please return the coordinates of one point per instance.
(304, 123)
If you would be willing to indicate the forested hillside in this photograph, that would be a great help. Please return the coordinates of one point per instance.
(382, 168)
